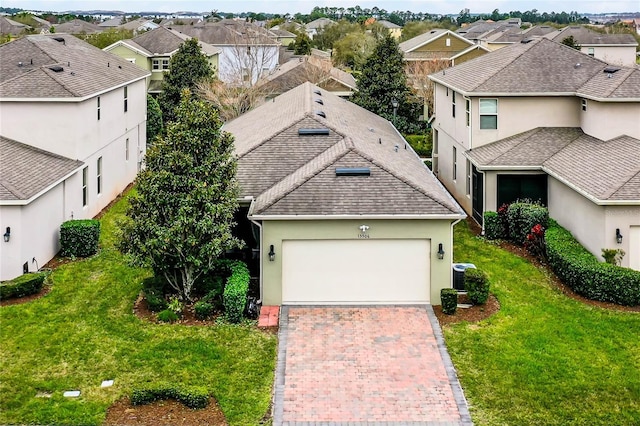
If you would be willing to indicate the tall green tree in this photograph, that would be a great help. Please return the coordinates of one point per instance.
(154, 120)
(302, 44)
(384, 80)
(180, 221)
(187, 67)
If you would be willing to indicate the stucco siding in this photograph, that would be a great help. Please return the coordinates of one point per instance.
(130, 54)
(275, 232)
(519, 114)
(615, 55)
(455, 127)
(627, 219)
(234, 59)
(607, 120)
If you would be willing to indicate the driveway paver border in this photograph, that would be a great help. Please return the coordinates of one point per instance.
(278, 395)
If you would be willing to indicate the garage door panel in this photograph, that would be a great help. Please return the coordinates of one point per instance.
(355, 271)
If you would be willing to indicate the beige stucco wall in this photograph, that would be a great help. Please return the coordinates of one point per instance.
(623, 218)
(444, 171)
(607, 120)
(440, 45)
(274, 232)
(130, 54)
(615, 55)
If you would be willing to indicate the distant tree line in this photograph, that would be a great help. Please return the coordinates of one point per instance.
(533, 16)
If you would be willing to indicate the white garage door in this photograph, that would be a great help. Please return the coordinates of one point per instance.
(355, 271)
(634, 248)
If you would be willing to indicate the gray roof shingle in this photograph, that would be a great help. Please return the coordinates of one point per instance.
(291, 174)
(587, 37)
(25, 171)
(164, 41)
(605, 170)
(228, 33)
(26, 68)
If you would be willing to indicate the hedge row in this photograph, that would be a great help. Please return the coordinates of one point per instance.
(515, 221)
(24, 285)
(581, 271)
(235, 292)
(476, 283)
(79, 238)
(192, 397)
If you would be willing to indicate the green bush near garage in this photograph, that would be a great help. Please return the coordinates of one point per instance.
(79, 238)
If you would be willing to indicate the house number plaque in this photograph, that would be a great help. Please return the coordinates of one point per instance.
(363, 231)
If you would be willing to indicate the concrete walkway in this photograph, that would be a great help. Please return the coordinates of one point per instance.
(374, 365)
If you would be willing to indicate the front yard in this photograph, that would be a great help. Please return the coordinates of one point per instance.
(84, 332)
(544, 358)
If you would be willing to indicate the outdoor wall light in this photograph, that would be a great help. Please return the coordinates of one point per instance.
(618, 236)
(272, 253)
(7, 235)
(440, 251)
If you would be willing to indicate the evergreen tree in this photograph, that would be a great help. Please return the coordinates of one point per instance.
(384, 80)
(187, 67)
(302, 44)
(181, 218)
(154, 120)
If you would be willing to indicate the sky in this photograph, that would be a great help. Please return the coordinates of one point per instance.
(305, 6)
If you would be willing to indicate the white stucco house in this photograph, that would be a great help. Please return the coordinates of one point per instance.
(331, 188)
(73, 134)
(543, 121)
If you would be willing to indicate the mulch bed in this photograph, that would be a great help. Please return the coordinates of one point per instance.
(163, 413)
(142, 311)
(472, 314)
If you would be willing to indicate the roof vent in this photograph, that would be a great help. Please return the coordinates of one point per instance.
(526, 40)
(317, 92)
(313, 132)
(432, 31)
(319, 101)
(59, 39)
(321, 114)
(611, 70)
(56, 68)
(353, 171)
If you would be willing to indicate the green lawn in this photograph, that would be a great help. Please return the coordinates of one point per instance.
(544, 359)
(84, 332)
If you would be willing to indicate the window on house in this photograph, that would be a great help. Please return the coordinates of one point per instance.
(165, 64)
(159, 64)
(453, 104)
(488, 113)
(447, 91)
(584, 104)
(455, 163)
(98, 108)
(126, 150)
(126, 98)
(468, 189)
(448, 42)
(467, 104)
(99, 175)
(85, 189)
(155, 64)
(591, 51)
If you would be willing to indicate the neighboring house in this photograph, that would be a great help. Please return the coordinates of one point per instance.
(615, 49)
(314, 27)
(394, 30)
(505, 36)
(479, 31)
(73, 126)
(440, 44)
(312, 69)
(248, 51)
(11, 27)
(180, 21)
(139, 25)
(284, 37)
(77, 26)
(111, 23)
(341, 208)
(567, 135)
(152, 51)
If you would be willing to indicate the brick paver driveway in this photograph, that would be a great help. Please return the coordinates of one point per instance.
(365, 365)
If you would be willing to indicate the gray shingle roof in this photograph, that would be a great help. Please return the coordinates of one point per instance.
(164, 41)
(422, 39)
(228, 33)
(539, 66)
(587, 37)
(25, 171)
(25, 68)
(605, 170)
(622, 84)
(300, 70)
(77, 26)
(291, 174)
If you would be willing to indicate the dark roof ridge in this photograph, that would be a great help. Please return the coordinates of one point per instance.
(12, 189)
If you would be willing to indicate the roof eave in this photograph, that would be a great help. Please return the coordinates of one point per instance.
(43, 191)
(453, 216)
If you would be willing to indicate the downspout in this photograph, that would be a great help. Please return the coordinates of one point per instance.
(259, 225)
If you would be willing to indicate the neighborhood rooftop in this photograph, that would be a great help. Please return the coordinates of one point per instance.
(539, 66)
(165, 41)
(26, 171)
(60, 66)
(291, 173)
(603, 170)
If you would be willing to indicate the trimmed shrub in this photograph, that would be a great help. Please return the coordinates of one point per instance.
(167, 316)
(449, 299)
(493, 228)
(535, 242)
(24, 285)
(79, 238)
(476, 283)
(522, 217)
(235, 292)
(202, 309)
(582, 271)
(193, 397)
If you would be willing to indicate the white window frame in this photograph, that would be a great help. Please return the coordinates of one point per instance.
(455, 164)
(468, 186)
(591, 51)
(488, 114)
(126, 150)
(126, 98)
(99, 175)
(159, 64)
(453, 104)
(467, 104)
(583, 104)
(98, 108)
(447, 42)
(85, 186)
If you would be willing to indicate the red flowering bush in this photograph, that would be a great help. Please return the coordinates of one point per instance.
(535, 243)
